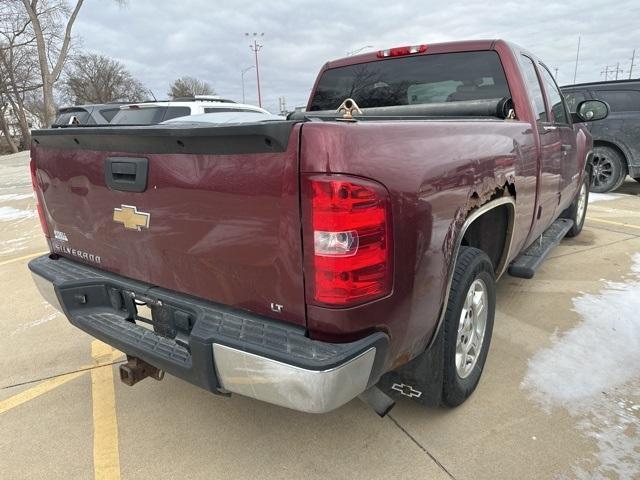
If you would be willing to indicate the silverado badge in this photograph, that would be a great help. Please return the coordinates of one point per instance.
(131, 218)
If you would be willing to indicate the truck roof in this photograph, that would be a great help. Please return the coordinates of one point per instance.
(606, 83)
(444, 47)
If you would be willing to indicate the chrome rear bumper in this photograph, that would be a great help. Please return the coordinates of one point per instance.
(213, 346)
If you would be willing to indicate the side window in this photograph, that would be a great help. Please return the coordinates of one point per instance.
(109, 113)
(555, 98)
(533, 85)
(621, 100)
(175, 112)
(573, 99)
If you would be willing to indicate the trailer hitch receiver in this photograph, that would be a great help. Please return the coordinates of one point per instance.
(136, 369)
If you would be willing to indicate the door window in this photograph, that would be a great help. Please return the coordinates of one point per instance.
(533, 85)
(555, 98)
(621, 100)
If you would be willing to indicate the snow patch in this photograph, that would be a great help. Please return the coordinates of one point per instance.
(9, 197)
(593, 371)
(10, 213)
(604, 197)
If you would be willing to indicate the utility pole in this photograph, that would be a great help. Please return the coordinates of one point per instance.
(243, 71)
(618, 70)
(556, 75)
(575, 71)
(633, 57)
(255, 48)
(282, 105)
(605, 72)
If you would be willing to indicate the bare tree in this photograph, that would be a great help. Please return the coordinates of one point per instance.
(92, 78)
(51, 22)
(189, 86)
(19, 77)
(6, 129)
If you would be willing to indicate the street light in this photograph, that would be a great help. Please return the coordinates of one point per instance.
(358, 50)
(255, 48)
(245, 70)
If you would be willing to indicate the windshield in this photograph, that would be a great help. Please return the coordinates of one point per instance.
(447, 77)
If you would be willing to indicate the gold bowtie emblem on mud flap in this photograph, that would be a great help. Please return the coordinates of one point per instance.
(131, 218)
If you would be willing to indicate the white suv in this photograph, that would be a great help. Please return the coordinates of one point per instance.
(149, 113)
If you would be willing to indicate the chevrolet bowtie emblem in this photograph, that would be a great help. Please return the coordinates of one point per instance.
(131, 218)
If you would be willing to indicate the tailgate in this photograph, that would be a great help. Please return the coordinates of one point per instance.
(218, 217)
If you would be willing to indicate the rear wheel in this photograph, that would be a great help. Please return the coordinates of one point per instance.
(577, 211)
(468, 324)
(609, 169)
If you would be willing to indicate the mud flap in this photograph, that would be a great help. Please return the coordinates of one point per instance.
(420, 379)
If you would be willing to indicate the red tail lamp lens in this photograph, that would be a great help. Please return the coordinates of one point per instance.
(351, 240)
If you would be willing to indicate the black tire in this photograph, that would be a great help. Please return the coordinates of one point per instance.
(471, 265)
(572, 212)
(609, 169)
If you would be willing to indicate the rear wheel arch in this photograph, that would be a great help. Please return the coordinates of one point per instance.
(615, 146)
(507, 202)
(490, 229)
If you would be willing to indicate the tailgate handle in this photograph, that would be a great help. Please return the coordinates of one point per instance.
(127, 174)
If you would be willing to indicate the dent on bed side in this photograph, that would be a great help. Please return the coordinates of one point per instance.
(485, 221)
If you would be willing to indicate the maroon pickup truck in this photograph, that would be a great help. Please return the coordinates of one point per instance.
(349, 250)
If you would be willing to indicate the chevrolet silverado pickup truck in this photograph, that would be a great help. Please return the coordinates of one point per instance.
(350, 250)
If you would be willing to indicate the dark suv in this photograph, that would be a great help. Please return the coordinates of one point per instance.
(616, 138)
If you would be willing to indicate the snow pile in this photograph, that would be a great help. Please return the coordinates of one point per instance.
(9, 197)
(10, 213)
(593, 371)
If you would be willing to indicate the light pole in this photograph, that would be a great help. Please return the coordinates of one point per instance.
(358, 50)
(245, 70)
(255, 48)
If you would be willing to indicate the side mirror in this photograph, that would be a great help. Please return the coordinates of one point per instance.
(590, 111)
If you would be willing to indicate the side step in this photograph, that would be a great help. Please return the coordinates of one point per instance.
(526, 264)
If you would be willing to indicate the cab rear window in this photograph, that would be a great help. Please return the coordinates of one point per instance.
(447, 77)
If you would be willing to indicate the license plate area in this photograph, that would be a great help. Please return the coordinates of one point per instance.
(159, 317)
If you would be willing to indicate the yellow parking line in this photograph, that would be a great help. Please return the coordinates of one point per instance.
(36, 391)
(106, 457)
(620, 224)
(26, 257)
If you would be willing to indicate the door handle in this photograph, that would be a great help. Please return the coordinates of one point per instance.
(126, 174)
(566, 147)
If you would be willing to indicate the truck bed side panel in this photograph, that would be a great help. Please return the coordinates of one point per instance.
(431, 169)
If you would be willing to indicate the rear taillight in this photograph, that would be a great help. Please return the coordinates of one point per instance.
(347, 239)
(34, 184)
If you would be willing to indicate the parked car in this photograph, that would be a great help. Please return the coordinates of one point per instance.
(148, 113)
(97, 114)
(616, 140)
(351, 250)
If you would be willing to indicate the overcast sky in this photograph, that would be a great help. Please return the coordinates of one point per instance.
(159, 41)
